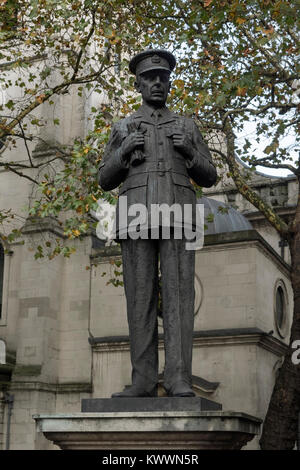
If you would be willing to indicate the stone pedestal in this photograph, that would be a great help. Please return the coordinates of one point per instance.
(149, 427)
(161, 404)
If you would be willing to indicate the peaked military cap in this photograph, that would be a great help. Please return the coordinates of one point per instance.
(152, 59)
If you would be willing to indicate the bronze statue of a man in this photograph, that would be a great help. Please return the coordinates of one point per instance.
(154, 153)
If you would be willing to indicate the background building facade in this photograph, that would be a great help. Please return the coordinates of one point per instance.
(64, 328)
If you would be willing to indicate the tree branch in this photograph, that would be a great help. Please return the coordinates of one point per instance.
(284, 166)
(262, 109)
(46, 96)
(91, 32)
(25, 142)
(245, 189)
(265, 52)
(293, 36)
(10, 165)
(19, 173)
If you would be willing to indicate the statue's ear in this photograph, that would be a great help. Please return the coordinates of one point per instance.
(137, 86)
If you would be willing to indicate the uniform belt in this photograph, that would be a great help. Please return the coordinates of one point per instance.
(157, 166)
(157, 171)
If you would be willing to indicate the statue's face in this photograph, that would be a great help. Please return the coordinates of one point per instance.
(154, 86)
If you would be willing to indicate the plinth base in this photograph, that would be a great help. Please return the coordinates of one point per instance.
(157, 430)
(104, 405)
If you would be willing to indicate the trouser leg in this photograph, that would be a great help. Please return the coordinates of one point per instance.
(140, 272)
(178, 271)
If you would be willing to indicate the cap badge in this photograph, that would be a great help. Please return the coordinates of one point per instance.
(155, 59)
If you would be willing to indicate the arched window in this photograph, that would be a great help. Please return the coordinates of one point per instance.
(1, 276)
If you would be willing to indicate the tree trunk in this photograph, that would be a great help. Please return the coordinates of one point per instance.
(281, 422)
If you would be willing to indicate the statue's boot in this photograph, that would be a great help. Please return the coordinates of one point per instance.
(135, 391)
(180, 389)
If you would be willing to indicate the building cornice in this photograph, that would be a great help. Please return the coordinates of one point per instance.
(50, 387)
(237, 239)
(221, 337)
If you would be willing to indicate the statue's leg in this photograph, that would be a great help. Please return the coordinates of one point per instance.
(140, 273)
(178, 271)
